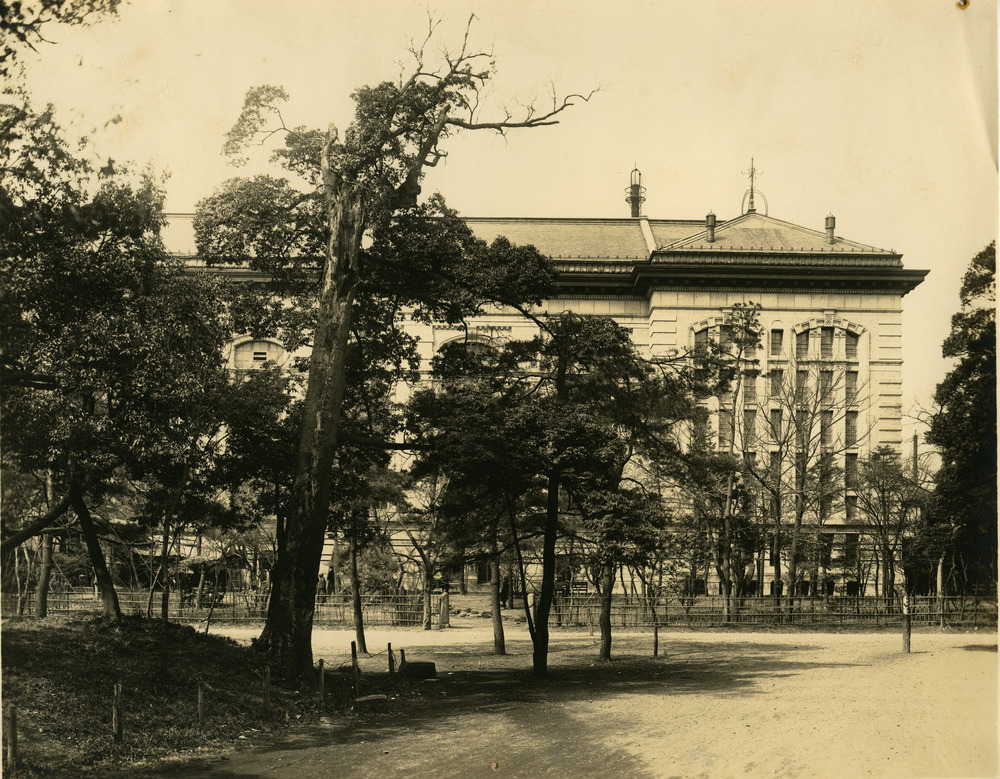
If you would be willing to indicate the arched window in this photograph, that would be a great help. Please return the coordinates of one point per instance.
(252, 354)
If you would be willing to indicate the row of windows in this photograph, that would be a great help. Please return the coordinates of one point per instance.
(826, 352)
(803, 425)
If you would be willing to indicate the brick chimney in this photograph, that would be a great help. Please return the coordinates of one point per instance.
(710, 226)
(831, 223)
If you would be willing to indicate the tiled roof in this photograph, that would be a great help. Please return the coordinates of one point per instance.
(584, 238)
(757, 232)
(667, 231)
(674, 240)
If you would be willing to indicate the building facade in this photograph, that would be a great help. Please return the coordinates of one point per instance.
(828, 372)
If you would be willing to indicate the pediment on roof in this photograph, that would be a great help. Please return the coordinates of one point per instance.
(754, 233)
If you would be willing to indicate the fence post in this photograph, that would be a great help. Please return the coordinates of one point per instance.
(443, 615)
(906, 623)
(116, 714)
(354, 666)
(392, 661)
(11, 731)
(322, 683)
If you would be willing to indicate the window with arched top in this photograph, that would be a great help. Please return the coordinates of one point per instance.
(252, 354)
(821, 338)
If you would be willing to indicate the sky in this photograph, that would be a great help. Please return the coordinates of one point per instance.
(882, 113)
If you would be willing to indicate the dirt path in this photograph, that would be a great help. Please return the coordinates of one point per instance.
(714, 705)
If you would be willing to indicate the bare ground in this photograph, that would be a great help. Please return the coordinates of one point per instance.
(714, 704)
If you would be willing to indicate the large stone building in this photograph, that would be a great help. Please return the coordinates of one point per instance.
(831, 312)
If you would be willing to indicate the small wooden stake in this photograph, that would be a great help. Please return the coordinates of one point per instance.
(906, 624)
(267, 687)
(116, 714)
(392, 661)
(354, 665)
(11, 740)
(322, 682)
(201, 705)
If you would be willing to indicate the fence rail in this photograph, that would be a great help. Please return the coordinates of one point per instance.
(832, 611)
(237, 606)
(567, 611)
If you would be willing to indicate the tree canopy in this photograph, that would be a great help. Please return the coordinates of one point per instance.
(964, 426)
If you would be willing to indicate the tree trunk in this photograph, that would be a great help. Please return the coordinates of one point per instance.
(359, 622)
(165, 570)
(44, 577)
(499, 645)
(607, 577)
(540, 650)
(109, 598)
(287, 633)
(428, 586)
(45, 572)
(940, 590)
(776, 565)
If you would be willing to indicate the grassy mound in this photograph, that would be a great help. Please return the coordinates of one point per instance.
(60, 675)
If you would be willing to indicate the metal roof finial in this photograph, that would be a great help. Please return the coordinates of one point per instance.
(748, 196)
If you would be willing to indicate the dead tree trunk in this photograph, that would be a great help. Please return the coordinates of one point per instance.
(287, 634)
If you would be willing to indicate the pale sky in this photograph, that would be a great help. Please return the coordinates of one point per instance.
(883, 112)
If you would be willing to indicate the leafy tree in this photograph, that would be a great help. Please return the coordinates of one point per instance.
(964, 427)
(568, 410)
(113, 357)
(361, 182)
(23, 22)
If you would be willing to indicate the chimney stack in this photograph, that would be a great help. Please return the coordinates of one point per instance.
(831, 223)
(636, 192)
(710, 226)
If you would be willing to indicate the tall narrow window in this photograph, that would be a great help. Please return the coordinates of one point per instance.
(803, 434)
(776, 423)
(851, 428)
(777, 376)
(851, 508)
(851, 470)
(850, 548)
(774, 473)
(826, 428)
(851, 387)
(749, 427)
(725, 429)
(749, 389)
(750, 351)
(826, 386)
(725, 336)
(826, 343)
(777, 336)
(801, 382)
(802, 345)
(701, 340)
(851, 346)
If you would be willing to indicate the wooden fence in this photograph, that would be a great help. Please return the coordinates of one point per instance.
(831, 612)
(237, 606)
(567, 611)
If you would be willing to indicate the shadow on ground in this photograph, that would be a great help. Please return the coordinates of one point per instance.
(575, 676)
